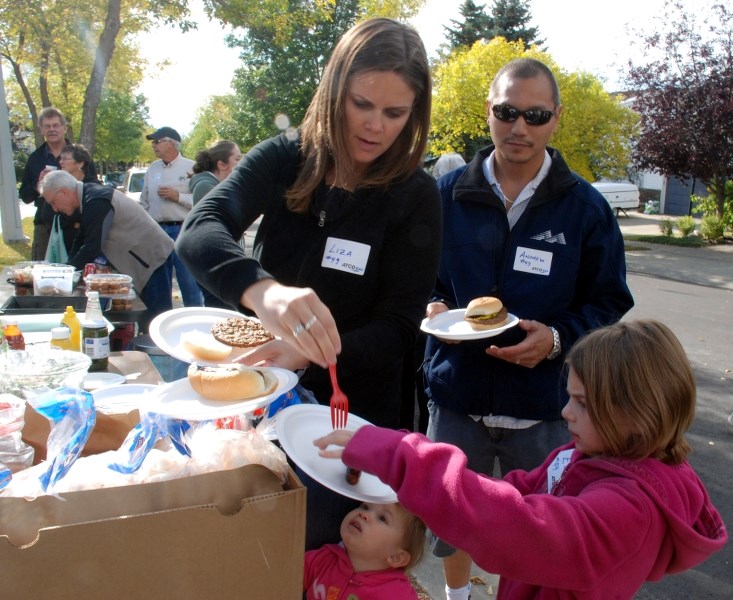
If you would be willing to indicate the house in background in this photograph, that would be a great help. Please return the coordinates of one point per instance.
(673, 195)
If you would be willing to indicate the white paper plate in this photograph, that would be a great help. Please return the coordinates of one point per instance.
(179, 400)
(121, 399)
(297, 426)
(93, 381)
(450, 325)
(167, 327)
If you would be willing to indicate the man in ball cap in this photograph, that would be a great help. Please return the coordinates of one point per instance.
(166, 197)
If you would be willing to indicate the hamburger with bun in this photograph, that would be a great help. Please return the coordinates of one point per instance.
(485, 313)
(234, 381)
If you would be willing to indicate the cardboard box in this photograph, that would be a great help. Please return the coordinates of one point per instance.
(229, 534)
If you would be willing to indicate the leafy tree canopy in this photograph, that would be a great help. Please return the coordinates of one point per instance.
(683, 95)
(61, 56)
(283, 57)
(594, 130)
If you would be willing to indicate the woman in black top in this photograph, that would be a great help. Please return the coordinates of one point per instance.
(346, 253)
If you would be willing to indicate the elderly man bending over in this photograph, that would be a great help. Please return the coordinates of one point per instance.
(117, 227)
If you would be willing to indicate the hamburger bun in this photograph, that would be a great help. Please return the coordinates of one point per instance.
(225, 383)
(485, 313)
(203, 346)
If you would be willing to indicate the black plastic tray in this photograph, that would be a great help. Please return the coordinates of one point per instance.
(33, 305)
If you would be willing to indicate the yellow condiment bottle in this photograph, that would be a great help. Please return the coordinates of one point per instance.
(72, 322)
(60, 338)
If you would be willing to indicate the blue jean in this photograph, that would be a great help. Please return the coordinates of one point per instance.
(514, 448)
(157, 293)
(190, 291)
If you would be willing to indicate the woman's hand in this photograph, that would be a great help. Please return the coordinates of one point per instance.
(275, 353)
(297, 316)
(339, 438)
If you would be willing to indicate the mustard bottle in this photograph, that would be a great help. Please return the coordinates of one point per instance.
(72, 322)
(60, 338)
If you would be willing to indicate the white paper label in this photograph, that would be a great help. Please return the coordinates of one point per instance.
(345, 255)
(557, 468)
(533, 261)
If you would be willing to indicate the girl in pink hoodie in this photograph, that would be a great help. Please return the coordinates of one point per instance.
(618, 506)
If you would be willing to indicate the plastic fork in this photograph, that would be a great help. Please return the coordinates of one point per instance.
(339, 402)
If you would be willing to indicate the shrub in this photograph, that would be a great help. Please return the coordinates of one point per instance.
(685, 225)
(666, 227)
(712, 228)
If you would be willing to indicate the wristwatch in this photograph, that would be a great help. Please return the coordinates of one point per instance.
(556, 345)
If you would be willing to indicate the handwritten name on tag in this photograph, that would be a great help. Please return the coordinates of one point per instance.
(533, 261)
(557, 468)
(345, 255)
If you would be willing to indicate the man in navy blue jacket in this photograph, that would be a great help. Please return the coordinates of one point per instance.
(518, 225)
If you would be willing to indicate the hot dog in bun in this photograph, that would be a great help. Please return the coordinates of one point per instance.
(230, 382)
(485, 312)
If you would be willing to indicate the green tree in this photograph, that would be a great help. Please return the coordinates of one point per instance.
(121, 122)
(509, 19)
(47, 45)
(594, 132)
(476, 25)
(283, 57)
(683, 94)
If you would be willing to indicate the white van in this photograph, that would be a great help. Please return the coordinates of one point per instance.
(133, 182)
(622, 196)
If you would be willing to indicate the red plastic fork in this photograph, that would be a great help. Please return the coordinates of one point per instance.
(339, 402)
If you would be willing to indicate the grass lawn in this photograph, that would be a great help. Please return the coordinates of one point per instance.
(16, 252)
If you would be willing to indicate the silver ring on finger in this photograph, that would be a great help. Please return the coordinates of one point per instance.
(310, 322)
(298, 329)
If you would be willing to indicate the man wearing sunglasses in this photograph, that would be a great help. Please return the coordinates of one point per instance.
(518, 225)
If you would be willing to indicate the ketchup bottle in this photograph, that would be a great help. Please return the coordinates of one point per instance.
(13, 335)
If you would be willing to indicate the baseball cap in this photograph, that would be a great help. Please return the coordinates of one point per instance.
(164, 132)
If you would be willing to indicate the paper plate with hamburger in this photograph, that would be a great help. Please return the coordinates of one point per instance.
(484, 317)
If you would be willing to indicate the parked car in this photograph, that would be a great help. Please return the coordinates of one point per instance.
(114, 179)
(621, 195)
(133, 185)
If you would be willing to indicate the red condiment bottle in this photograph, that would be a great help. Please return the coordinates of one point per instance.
(13, 335)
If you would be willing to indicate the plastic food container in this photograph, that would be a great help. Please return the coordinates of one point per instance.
(109, 285)
(52, 280)
(123, 302)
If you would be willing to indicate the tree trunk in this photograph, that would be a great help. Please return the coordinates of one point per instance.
(29, 100)
(93, 93)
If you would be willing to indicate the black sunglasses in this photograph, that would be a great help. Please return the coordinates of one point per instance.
(533, 116)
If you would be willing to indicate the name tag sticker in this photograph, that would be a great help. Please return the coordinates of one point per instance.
(533, 261)
(557, 468)
(345, 255)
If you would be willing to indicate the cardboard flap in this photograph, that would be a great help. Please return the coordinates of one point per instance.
(21, 520)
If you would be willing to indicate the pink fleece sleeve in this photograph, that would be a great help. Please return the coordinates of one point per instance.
(536, 535)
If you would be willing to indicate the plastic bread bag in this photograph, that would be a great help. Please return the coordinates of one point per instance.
(298, 395)
(72, 416)
(214, 449)
(143, 437)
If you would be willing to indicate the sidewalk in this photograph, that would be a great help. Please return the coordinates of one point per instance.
(709, 265)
